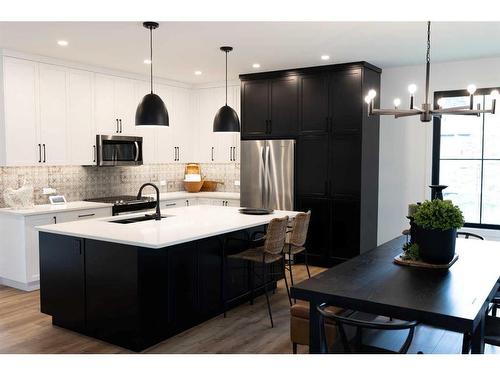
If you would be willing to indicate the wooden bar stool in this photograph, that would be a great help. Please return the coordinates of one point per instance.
(271, 251)
(295, 243)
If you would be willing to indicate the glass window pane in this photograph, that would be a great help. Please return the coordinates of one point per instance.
(492, 132)
(461, 136)
(491, 192)
(463, 178)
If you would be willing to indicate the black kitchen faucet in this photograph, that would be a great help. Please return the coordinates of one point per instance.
(157, 215)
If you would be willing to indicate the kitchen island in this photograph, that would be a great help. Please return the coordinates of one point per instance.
(135, 284)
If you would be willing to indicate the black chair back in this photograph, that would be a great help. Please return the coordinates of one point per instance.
(348, 320)
(468, 234)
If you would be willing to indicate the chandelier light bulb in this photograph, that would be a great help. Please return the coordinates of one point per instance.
(495, 94)
(471, 89)
(372, 93)
(412, 88)
(397, 102)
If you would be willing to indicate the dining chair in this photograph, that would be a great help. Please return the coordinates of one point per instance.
(354, 319)
(264, 251)
(295, 243)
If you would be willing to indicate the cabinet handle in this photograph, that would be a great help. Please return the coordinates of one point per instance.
(234, 153)
(39, 153)
(95, 153)
(175, 153)
(117, 126)
(212, 154)
(170, 204)
(187, 202)
(121, 126)
(86, 215)
(270, 126)
(44, 153)
(178, 153)
(55, 219)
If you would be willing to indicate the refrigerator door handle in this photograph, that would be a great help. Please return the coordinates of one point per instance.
(262, 175)
(267, 177)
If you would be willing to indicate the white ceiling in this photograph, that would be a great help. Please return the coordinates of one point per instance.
(183, 47)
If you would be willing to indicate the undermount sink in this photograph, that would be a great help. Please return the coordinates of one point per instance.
(131, 220)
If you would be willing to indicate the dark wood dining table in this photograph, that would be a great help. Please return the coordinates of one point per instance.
(454, 299)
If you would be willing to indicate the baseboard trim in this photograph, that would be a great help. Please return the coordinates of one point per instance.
(27, 287)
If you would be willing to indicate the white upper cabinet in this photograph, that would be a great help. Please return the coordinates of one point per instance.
(166, 151)
(125, 105)
(81, 129)
(218, 147)
(50, 114)
(106, 119)
(53, 114)
(20, 123)
(184, 138)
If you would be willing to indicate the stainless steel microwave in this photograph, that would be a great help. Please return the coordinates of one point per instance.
(118, 150)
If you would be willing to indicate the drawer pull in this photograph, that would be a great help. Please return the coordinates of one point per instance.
(170, 204)
(86, 215)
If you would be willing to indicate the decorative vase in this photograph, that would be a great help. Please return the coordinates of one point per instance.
(435, 246)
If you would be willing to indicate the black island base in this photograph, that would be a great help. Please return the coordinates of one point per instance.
(136, 297)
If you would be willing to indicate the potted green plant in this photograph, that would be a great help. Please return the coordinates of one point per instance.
(436, 223)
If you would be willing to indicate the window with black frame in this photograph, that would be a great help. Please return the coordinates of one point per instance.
(466, 157)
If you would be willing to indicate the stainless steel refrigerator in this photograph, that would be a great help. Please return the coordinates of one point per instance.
(267, 174)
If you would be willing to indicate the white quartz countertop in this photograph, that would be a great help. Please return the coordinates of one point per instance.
(183, 224)
(202, 194)
(52, 208)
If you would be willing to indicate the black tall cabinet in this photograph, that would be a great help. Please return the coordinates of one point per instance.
(337, 153)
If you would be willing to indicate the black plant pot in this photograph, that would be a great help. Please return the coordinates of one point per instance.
(436, 246)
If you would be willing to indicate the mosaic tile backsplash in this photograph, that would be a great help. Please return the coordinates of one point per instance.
(78, 183)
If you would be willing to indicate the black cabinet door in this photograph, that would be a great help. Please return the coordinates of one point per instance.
(314, 104)
(183, 282)
(345, 229)
(210, 276)
(318, 236)
(346, 98)
(312, 165)
(284, 107)
(345, 165)
(254, 108)
(62, 280)
(111, 278)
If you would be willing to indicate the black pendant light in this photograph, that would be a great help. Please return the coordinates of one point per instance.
(226, 119)
(151, 110)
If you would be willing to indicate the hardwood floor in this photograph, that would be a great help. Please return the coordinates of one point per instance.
(246, 329)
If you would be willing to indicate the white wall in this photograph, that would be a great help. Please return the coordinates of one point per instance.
(406, 143)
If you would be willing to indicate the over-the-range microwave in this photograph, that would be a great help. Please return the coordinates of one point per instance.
(118, 150)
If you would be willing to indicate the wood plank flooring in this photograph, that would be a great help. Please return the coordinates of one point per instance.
(246, 329)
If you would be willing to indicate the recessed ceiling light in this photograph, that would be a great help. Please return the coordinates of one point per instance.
(256, 65)
(197, 72)
(147, 61)
(325, 57)
(62, 43)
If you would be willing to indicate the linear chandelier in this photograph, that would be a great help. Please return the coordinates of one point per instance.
(426, 112)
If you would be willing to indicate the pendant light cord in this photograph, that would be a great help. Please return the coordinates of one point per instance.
(151, 55)
(428, 63)
(226, 78)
